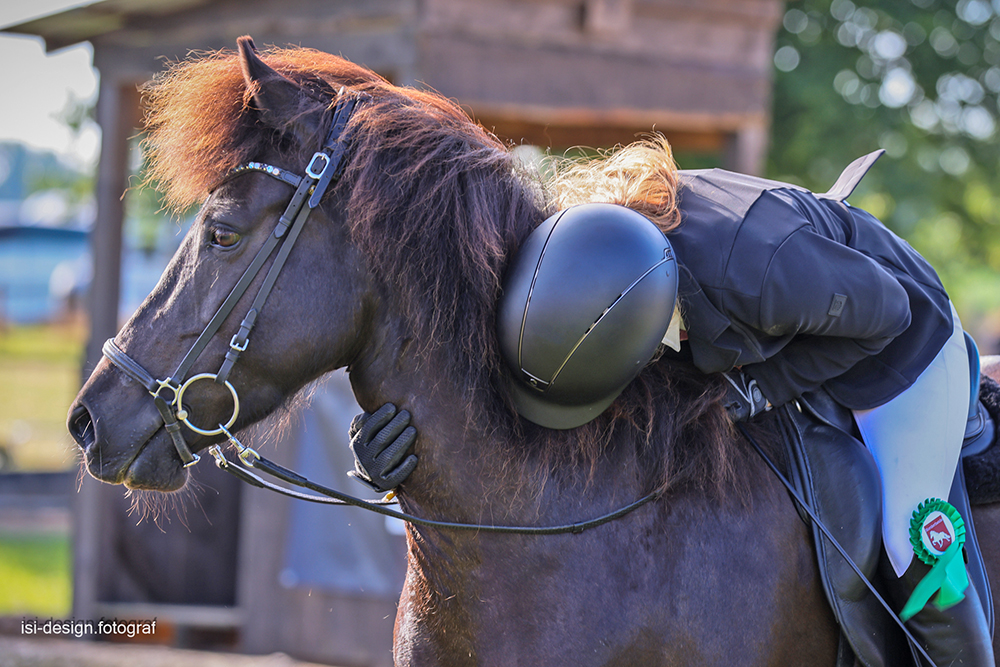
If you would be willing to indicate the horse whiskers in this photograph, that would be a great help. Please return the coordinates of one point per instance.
(279, 423)
(81, 469)
(161, 507)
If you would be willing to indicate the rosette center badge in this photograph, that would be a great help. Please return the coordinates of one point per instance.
(937, 533)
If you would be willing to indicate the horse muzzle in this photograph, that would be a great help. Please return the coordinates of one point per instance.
(122, 442)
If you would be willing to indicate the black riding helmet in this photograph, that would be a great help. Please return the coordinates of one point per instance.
(586, 301)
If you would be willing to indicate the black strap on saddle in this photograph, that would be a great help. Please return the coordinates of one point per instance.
(824, 461)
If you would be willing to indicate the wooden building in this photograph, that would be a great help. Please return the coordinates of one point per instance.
(554, 73)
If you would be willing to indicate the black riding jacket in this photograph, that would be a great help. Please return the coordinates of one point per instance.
(802, 290)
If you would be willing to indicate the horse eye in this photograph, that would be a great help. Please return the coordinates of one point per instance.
(224, 238)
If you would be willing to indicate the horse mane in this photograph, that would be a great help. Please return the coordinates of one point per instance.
(438, 205)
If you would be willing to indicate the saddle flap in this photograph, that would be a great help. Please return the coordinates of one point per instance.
(836, 474)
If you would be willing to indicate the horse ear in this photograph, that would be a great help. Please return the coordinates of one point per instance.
(282, 103)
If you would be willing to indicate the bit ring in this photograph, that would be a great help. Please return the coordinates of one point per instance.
(183, 416)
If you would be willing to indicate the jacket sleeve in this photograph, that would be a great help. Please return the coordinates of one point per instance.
(837, 305)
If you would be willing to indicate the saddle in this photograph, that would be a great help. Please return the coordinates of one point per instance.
(825, 456)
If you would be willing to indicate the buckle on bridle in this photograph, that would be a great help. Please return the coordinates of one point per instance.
(168, 383)
(245, 453)
(312, 171)
(236, 345)
(220, 458)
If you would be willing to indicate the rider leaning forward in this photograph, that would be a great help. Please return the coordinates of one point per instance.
(786, 292)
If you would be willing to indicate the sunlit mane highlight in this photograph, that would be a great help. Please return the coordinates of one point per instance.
(198, 122)
(642, 176)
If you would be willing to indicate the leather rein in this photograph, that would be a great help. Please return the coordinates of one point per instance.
(324, 168)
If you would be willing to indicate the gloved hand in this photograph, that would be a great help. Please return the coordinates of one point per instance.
(380, 442)
(744, 399)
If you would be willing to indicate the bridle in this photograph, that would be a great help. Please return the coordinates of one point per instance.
(323, 169)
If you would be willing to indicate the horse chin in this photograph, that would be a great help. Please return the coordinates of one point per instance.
(139, 455)
(154, 469)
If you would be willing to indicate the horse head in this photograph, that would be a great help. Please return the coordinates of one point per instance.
(396, 276)
(400, 260)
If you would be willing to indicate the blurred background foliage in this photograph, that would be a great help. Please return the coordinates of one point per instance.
(920, 79)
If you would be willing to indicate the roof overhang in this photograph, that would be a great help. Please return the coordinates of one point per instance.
(88, 21)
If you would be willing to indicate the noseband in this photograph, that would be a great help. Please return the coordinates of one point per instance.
(324, 168)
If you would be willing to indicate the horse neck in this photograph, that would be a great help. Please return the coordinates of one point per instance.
(451, 447)
(467, 470)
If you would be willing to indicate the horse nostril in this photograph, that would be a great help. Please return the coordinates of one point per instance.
(81, 427)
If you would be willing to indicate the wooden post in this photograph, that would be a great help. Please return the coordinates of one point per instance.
(747, 150)
(117, 114)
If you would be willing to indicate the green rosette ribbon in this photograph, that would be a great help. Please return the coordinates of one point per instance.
(947, 578)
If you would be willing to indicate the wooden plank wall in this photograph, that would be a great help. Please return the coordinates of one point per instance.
(305, 622)
(598, 72)
(549, 72)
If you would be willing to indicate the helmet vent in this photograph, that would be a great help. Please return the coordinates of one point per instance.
(535, 383)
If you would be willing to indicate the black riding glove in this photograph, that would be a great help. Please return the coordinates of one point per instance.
(380, 442)
(744, 399)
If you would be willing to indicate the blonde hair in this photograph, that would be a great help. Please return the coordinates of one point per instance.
(642, 176)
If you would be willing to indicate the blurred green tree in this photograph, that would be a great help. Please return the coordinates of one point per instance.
(919, 78)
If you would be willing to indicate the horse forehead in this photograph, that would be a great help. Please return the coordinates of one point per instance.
(222, 203)
(249, 193)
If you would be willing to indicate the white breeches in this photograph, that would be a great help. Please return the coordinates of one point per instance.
(916, 439)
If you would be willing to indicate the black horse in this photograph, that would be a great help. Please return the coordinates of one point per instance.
(396, 276)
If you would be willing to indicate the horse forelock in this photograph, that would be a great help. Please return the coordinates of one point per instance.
(438, 205)
(199, 124)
